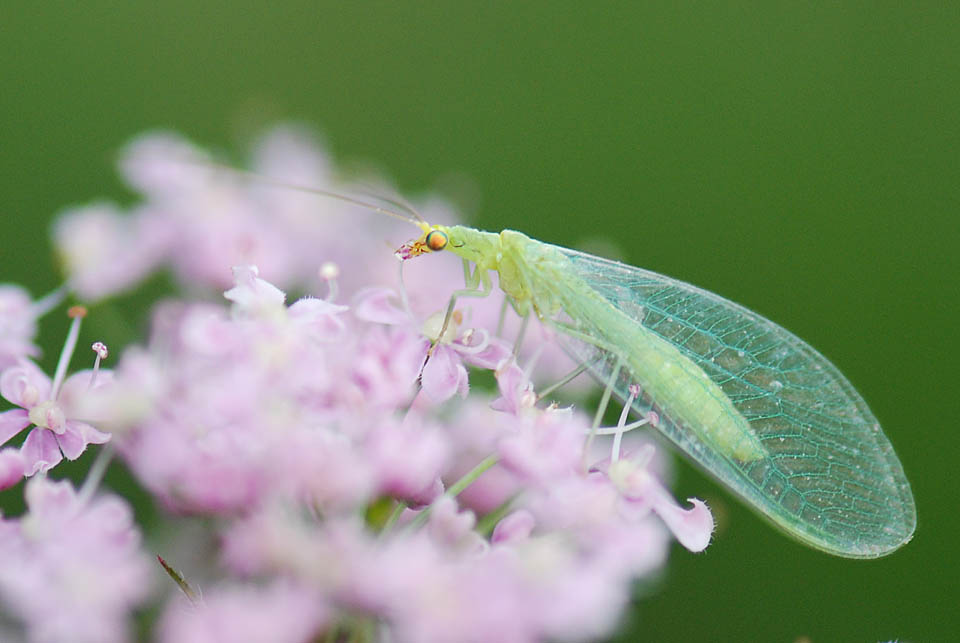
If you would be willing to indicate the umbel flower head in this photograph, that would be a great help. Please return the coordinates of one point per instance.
(350, 481)
(293, 421)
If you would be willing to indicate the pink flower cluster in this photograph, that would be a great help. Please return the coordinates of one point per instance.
(348, 481)
(200, 220)
(70, 568)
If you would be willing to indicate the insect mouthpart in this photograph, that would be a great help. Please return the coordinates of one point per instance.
(431, 241)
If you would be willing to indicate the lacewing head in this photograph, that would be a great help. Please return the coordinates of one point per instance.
(433, 239)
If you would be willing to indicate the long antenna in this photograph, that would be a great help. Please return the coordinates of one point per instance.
(396, 201)
(415, 219)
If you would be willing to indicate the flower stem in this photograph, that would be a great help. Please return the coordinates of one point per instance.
(470, 477)
(95, 474)
(392, 519)
(49, 301)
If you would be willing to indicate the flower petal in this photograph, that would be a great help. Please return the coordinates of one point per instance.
(90, 434)
(447, 523)
(444, 375)
(253, 295)
(50, 499)
(516, 391)
(71, 443)
(76, 436)
(161, 164)
(426, 495)
(691, 527)
(40, 452)
(25, 384)
(490, 357)
(318, 316)
(376, 305)
(11, 468)
(13, 422)
(514, 528)
(76, 389)
(106, 251)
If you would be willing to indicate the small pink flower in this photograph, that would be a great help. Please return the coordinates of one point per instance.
(106, 251)
(691, 527)
(407, 458)
(252, 295)
(55, 434)
(384, 365)
(453, 529)
(475, 435)
(18, 325)
(547, 445)
(516, 390)
(444, 374)
(318, 318)
(376, 305)
(324, 470)
(161, 163)
(72, 570)
(279, 612)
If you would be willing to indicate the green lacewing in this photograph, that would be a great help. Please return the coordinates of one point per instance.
(750, 402)
(757, 407)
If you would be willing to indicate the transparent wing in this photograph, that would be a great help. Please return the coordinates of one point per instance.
(831, 478)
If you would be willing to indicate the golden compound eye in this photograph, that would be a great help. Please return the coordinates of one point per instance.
(436, 240)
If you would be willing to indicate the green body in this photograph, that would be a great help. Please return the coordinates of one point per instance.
(753, 404)
(536, 276)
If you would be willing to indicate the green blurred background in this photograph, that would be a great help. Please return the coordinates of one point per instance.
(801, 160)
